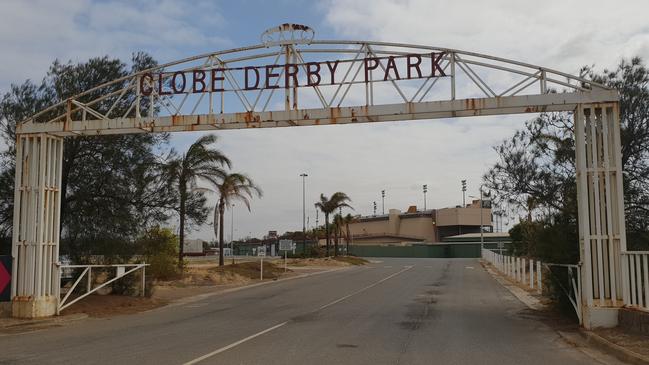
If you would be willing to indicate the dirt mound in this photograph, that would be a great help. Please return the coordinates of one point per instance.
(251, 270)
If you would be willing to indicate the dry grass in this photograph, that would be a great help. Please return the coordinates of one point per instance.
(111, 305)
(251, 270)
(352, 260)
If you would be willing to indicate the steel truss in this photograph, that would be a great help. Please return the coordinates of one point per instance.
(468, 84)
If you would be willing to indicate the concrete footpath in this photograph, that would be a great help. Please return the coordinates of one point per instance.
(586, 340)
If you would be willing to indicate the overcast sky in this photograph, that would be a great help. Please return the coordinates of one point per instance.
(360, 160)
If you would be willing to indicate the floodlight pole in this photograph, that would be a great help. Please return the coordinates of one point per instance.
(304, 175)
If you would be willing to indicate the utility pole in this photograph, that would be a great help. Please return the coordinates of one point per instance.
(425, 188)
(383, 202)
(303, 211)
(463, 193)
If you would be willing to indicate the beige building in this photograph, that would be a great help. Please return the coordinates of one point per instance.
(397, 228)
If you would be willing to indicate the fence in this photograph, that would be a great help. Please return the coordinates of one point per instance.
(121, 270)
(529, 273)
(635, 276)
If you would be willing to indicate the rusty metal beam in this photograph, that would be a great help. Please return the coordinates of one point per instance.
(323, 116)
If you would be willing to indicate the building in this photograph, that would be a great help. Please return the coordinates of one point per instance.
(430, 226)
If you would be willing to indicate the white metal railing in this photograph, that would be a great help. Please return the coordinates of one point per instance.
(529, 273)
(121, 270)
(635, 276)
(521, 270)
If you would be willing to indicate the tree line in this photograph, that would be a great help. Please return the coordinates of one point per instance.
(116, 191)
(534, 175)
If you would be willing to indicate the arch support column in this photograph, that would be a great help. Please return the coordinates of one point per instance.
(35, 247)
(600, 199)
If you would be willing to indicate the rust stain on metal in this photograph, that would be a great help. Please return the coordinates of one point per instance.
(334, 114)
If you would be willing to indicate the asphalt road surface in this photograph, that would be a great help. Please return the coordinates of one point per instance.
(397, 311)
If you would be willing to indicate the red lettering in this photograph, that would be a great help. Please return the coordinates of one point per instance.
(315, 73)
(174, 83)
(269, 75)
(160, 86)
(247, 78)
(146, 91)
(414, 65)
(392, 65)
(217, 78)
(435, 64)
(332, 69)
(288, 74)
(369, 68)
(198, 76)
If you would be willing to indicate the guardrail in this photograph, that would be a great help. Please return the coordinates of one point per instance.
(121, 270)
(529, 273)
(635, 276)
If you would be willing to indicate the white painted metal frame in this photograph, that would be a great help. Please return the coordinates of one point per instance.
(36, 215)
(120, 272)
(600, 203)
(475, 84)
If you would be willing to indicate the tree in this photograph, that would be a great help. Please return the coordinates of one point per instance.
(536, 167)
(111, 184)
(337, 226)
(200, 161)
(329, 205)
(231, 187)
(347, 220)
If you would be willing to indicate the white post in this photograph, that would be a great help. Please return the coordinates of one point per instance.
(600, 198)
(261, 271)
(539, 281)
(143, 281)
(35, 246)
(531, 274)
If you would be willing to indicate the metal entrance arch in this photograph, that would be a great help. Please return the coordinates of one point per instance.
(292, 79)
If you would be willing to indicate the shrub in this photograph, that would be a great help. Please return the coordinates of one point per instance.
(159, 247)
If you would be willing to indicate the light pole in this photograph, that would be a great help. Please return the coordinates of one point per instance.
(463, 193)
(303, 175)
(383, 202)
(425, 188)
(481, 224)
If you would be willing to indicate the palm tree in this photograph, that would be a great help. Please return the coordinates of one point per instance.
(200, 161)
(329, 205)
(231, 187)
(346, 221)
(338, 222)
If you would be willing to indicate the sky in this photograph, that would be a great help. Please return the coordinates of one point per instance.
(360, 160)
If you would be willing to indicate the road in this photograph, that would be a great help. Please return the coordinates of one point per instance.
(397, 311)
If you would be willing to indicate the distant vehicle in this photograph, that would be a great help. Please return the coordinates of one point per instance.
(194, 248)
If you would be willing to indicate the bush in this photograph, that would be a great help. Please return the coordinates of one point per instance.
(159, 247)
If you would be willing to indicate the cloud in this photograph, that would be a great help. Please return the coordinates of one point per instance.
(34, 33)
(559, 34)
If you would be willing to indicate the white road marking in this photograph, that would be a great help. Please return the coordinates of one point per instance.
(387, 267)
(216, 352)
(235, 344)
(364, 289)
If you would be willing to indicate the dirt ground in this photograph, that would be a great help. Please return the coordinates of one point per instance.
(201, 278)
(635, 342)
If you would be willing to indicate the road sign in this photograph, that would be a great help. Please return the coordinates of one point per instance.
(286, 245)
(261, 251)
(5, 278)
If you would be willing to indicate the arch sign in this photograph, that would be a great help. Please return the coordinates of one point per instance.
(293, 79)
